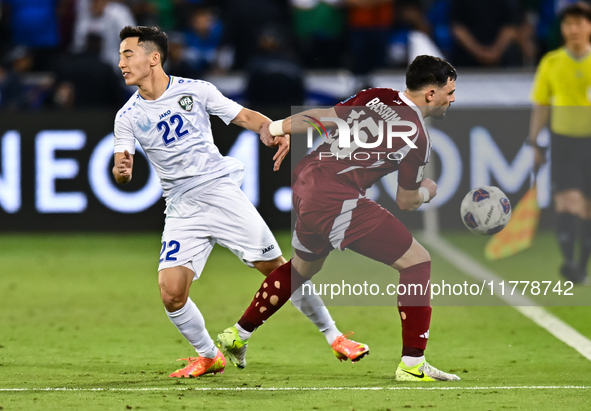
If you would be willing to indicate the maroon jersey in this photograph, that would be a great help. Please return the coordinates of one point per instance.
(334, 172)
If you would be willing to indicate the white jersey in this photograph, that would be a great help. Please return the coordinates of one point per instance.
(175, 133)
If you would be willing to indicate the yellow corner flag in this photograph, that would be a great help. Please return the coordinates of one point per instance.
(519, 233)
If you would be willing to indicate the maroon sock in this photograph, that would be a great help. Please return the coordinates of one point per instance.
(274, 292)
(415, 308)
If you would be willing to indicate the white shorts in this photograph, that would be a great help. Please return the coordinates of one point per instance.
(219, 213)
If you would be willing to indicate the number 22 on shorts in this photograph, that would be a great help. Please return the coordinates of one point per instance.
(173, 248)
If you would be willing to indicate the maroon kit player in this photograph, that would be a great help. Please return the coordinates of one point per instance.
(332, 211)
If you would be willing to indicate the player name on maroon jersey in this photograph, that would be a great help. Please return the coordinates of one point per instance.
(384, 110)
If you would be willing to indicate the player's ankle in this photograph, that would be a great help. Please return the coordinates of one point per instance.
(209, 352)
(243, 333)
(412, 361)
(331, 334)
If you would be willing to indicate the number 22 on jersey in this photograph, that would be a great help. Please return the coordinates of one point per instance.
(174, 123)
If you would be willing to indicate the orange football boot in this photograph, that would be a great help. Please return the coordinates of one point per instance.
(344, 349)
(200, 365)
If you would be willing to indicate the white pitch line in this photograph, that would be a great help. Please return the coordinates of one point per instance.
(530, 387)
(523, 304)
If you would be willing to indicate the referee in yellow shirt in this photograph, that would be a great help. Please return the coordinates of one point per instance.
(562, 92)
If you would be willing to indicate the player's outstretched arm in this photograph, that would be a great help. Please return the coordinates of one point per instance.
(255, 121)
(123, 167)
(299, 123)
(275, 132)
(250, 120)
(410, 200)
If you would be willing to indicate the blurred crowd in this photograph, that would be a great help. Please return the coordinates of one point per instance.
(64, 53)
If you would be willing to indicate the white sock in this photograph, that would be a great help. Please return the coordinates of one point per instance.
(191, 325)
(313, 307)
(242, 333)
(412, 361)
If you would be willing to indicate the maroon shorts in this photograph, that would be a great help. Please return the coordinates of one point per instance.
(359, 224)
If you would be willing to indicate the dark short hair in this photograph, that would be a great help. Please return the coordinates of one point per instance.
(147, 34)
(578, 9)
(429, 70)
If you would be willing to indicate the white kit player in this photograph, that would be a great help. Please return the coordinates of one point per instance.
(169, 117)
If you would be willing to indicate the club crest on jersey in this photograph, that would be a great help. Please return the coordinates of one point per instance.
(186, 103)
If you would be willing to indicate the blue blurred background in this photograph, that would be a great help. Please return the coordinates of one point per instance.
(60, 88)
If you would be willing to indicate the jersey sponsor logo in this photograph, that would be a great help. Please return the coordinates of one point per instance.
(166, 113)
(266, 250)
(397, 101)
(186, 103)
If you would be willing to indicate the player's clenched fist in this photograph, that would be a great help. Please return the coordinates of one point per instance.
(430, 186)
(123, 167)
(125, 164)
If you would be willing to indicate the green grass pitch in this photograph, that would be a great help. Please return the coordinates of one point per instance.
(83, 312)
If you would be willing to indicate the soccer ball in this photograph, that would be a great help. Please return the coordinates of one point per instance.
(485, 210)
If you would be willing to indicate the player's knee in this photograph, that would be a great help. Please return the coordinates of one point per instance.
(425, 256)
(306, 268)
(173, 303)
(422, 255)
(416, 254)
(173, 299)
